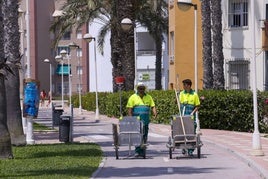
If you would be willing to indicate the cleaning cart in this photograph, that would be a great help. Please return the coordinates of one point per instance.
(183, 135)
(129, 132)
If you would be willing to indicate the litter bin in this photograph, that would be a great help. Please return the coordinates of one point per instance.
(64, 128)
(56, 116)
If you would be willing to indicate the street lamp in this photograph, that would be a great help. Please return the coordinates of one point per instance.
(59, 59)
(50, 81)
(64, 54)
(28, 62)
(256, 141)
(126, 24)
(75, 46)
(189, 3)
(89, 38)
(21, 13)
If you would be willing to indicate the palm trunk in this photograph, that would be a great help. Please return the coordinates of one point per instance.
(217, 55)
(207, 45)
(126, 10)
(5, 141)
(158, 65)
(12, 82)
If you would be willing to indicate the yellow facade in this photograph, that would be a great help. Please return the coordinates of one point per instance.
(182, 44)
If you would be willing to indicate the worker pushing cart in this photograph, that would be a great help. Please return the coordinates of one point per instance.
(140, 104)
(189, 104)
(183, 126)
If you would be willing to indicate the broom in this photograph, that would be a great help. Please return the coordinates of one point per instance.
(178, 103)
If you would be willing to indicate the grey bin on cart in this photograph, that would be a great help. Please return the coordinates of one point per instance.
(64, 128)
(56, 116)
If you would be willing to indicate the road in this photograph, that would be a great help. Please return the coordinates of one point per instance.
(214, 162)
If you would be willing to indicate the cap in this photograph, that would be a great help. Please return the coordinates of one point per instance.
(140, 84)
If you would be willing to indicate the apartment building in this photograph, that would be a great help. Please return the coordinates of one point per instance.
(183, 43)
(237, 43)
(41, 15)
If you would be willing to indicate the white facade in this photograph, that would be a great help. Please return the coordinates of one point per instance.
(145, 56)
(237, 43)
(104, 65)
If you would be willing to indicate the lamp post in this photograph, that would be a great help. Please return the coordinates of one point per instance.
(75, 46)
(50, 81)
(89, 38)
(256, 141)
(189, 3)
(64, 54)
(126, 24)
(59, 59)
(21, 13)
(29, 133)
(28, 62)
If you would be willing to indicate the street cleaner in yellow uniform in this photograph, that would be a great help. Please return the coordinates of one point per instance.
(140, 104)
(189, 103)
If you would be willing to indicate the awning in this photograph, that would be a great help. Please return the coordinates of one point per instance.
(63, 69)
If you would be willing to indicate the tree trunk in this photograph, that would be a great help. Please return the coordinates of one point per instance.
(126, 10)
(217, 55)
(207, 45)
(12, 82)
(158, 65)
(5, 141)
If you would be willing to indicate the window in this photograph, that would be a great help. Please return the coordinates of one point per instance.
(79, 52)
(171, 48)
(65, 88)
(60, 48)
(238, 73)
(79, 70)
(79, 34)
(238, 13)
(66, 36)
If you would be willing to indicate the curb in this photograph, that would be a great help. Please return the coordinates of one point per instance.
(101, 165)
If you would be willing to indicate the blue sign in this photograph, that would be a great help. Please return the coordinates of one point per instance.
(31, 99)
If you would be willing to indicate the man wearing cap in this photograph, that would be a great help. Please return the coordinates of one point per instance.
(141, 104)
(189, 103)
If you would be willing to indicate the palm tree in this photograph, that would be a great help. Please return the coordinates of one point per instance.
(110, 12)
(5, 140)
(217, 54)
(12, 80)
(152, 11)
(207, 45)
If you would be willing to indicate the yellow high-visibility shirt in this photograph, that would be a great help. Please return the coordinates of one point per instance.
(136, 100)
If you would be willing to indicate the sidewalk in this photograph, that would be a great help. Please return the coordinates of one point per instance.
(237, 143)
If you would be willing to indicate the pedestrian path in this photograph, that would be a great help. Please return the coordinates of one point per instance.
(238, 144)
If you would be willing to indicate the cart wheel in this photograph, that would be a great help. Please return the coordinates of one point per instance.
(115, 134)
(144, 153)
(170, 153)
(198, 152)
(116, 153)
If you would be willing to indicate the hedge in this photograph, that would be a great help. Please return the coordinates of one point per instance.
(225, 110)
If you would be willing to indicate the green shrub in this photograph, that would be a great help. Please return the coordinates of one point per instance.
(220, 109)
